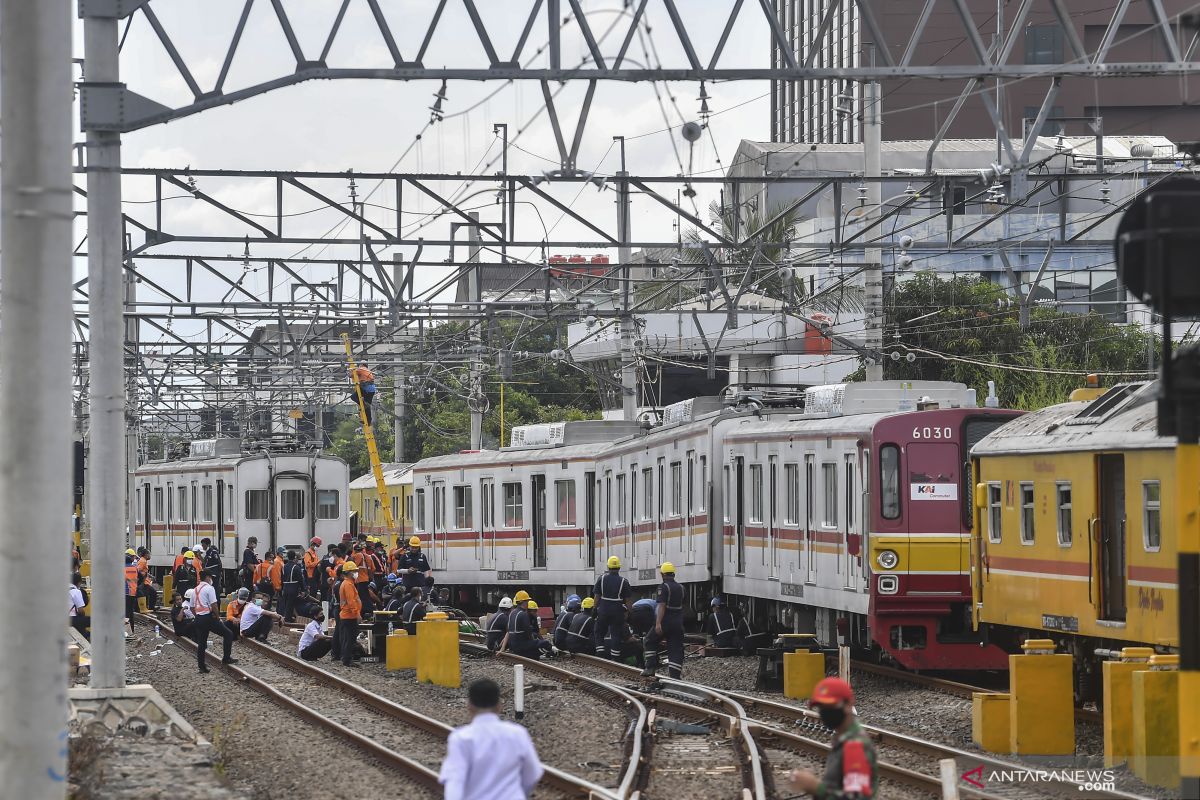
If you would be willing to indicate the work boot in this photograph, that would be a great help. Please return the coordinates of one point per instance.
(648, 672)
(204, 670)
(227, 661)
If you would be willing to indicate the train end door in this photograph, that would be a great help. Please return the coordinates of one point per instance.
(1109, 536)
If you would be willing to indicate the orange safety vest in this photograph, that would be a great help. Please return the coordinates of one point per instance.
(351, 605)
(197, 608)
(260, 571)
(365, 375)
(233, 612)
(131, 579)
(143, 566)
(199, 565)
(275, 571)
(333, 571)
(310, 561)
(178, 562)
(364, 569)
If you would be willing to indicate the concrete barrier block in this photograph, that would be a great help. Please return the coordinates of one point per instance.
(802, 671)
(437, 653)
(990, 720)
(401, 651)
(1042, 708)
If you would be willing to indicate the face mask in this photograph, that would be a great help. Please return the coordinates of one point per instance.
(832, 718)
(258, 602)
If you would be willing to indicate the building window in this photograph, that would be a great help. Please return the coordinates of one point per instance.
(514, 507)
(564, 495)
(1151, 516)
(1043, 45)
(206, 504)
(1065, 535)
(889, 481)
(995, 513)
(158, 504)
(462, 507)
(756, 493)
(395, 507)
(829, 477)
(1027, 512)
(291, 504)
(420, 494)
(257, 502)
(676, 489)
(791, 494)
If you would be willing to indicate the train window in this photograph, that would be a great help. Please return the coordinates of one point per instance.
(206, 506)
(181, 508)
(676, 489)
(257, 502)
(1027, 513)
(487, 500)
(137, 508)
(633, 493)
(1151, 516)
(439, 507)
(829, 478)
(662, 491)
(329, 503)
(291, 504)
(756, 493)
(889, 481)
(158, 504)
(791, 494)
(702, 497)
(462, 507)
(619, 516)
(849, 492)
(420, 495)
(564, 496)
(229, 505)
(995, 513)
(726, 499)
(514, 506)
(647, 494)
(1065, 535)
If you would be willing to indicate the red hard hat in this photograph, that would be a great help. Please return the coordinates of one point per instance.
(346, 537)
(830, 691)
(316, 540)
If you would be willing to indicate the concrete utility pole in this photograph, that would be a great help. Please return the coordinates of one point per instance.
(873, 256)
(35, 432)
(629, 398)
(474, 290)
(106, 348)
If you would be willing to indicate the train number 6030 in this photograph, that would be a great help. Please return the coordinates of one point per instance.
(933, 433)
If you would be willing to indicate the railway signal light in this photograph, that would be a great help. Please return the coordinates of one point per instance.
(1156, 247)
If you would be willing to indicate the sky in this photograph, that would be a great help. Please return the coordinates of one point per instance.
(371, 125)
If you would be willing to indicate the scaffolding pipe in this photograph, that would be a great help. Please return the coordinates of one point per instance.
(35, 392)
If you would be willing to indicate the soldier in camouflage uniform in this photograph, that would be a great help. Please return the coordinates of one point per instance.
(851, 772)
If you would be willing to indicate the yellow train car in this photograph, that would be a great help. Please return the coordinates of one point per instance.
(366, 512)
(1072, 538)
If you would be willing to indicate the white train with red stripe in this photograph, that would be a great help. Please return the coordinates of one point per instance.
(229, 490)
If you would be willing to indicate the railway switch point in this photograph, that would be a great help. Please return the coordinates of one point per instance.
(1118, 703)
(437, 653)
(802, 670)
(401, 651)
(1155, 754)
(1042, 708)
(991, 721)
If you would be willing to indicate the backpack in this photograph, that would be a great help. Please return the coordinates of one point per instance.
(83, 592)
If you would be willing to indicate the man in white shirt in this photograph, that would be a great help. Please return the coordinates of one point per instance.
(79, 620)
(256, 620)
(314, 645)
(205, 606)
(489, 759)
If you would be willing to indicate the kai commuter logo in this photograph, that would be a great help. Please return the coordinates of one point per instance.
(933, 491)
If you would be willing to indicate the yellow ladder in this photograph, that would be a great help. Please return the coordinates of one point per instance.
(372, 449)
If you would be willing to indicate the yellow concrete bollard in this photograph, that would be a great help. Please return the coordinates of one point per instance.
(1042, 708)
(401, 651)
(990, 720)
(1118, 703)
(168, 589)
(437, 653)
(802, 671)
(1155, 753)
(85, 568)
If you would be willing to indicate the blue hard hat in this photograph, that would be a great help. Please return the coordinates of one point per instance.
(645, 601)
(392, 577)
(574, 601)
(717, 601)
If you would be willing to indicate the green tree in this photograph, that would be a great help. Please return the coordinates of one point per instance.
(967, 329)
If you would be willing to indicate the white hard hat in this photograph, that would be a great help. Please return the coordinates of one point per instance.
(506, 602)
(189, 594)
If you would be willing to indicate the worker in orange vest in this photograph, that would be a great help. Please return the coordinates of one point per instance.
(145, 579)
(131, 586)
(349, 613)
(362, 578)
(179, 559)
(366, 384)
(275, 572)
(262, 575)
(311, 559)
(233, 611)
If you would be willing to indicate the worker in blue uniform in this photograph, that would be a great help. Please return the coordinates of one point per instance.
(562, 625)
(415, 571)
(721, 624)
(522, 638)
(413, 611)
(497, 624)
(612, 593)
(581, 638)
(668, 625)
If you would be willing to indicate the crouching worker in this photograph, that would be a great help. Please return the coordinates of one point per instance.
(497, 624)
(314, 644)
(581, 638)
(256, 620)
(722, 625)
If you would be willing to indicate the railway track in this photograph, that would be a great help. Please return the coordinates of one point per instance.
(382, 742)
(950, 687)
(782, 726)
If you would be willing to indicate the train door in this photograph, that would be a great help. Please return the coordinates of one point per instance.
(148, 527)
(864, 522)
(589, 518)
(538, 499)
(809, 534)
(487, 522)
(219, 517)
(437, 531)
(168, 532)
(659, 516)
(772, 522)
(739, 486)
(291, 516)
(689, 486)
(1111, 546)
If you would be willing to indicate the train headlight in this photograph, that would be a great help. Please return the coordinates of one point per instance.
(887, 559)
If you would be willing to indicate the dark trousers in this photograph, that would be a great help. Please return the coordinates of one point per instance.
(259, 630)
(131, 608)
(206, 624)
(672, 627)
(348, 636)
(530, 649)
(610, 626)
(364, 596)
(317, 650)
(248, 578)
(368, 397)
(287, 601)
(151, 595)
(80, 622)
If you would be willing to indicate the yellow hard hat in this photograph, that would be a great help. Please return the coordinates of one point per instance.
(349, 566)
(532, 606)
(414, 541)
(521, 596)
(667, 568)
(589, 602)
(614, 562)
(130, 552)
(189, 554)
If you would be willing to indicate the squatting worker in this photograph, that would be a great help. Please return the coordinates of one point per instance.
(204, 604)
(489, 758)
(850, 771)
(613, 596)
(314, 645)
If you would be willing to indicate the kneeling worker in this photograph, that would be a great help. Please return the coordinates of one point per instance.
(581, 637)
(851, 770)
(497, 624)
(721, 625)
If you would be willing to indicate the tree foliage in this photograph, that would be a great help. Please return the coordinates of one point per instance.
(967, 329)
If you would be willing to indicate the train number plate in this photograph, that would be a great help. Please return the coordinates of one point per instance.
(645, 574)
(513, 575)
(1053, 622)
(791, 590)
